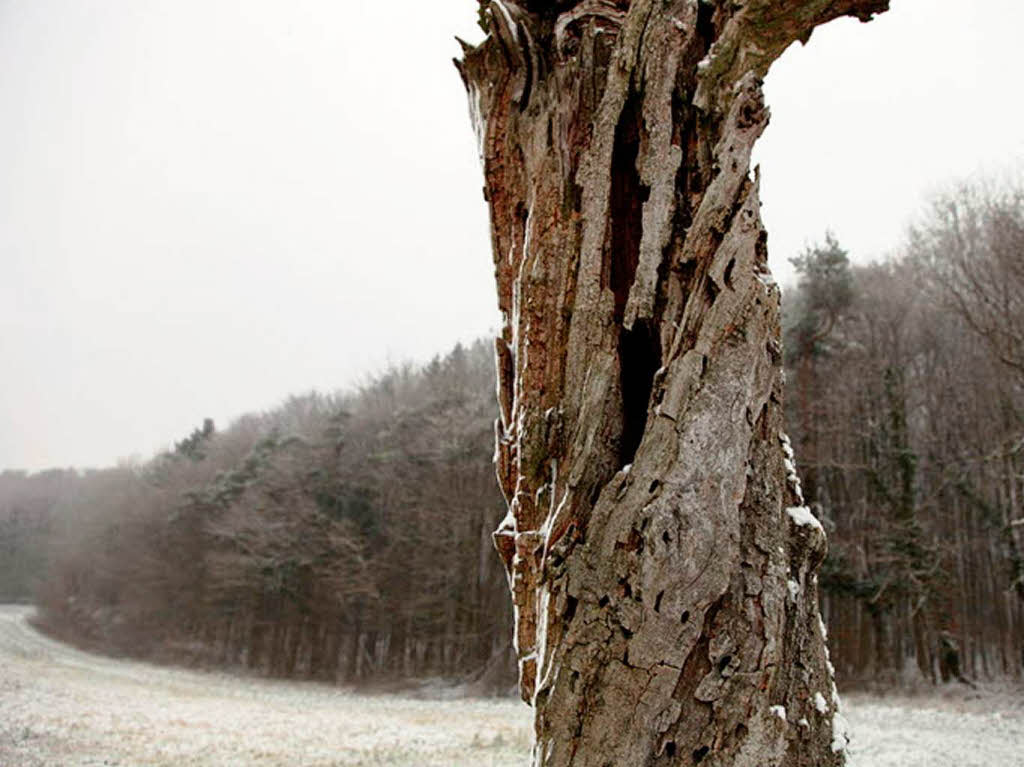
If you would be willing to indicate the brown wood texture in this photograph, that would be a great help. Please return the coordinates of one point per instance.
(666, 599)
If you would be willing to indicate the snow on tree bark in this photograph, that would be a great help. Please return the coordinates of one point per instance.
(640, 443)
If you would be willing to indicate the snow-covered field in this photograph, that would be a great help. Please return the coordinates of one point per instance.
(61, 707)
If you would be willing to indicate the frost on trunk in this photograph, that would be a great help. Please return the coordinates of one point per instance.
(662, 566)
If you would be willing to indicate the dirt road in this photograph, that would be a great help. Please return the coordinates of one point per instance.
(60, 707)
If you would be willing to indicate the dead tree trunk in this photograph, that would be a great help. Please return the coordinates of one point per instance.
(661, 561)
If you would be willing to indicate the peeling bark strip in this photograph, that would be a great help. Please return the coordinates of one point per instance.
(661, 563)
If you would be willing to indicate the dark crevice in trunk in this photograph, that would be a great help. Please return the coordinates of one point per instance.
(706, 25)
(570, 608)
(639, 360)
(639, 347)
(546, 9)
(711, 289)
(626, 202)
(761, 249)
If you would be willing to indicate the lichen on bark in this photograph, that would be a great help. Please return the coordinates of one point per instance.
(665, 600)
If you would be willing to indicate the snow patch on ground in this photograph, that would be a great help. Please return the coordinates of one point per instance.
(60, 707)
(950, 728)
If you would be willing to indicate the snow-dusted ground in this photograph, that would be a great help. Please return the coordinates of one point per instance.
(954, 727)
(61, 707)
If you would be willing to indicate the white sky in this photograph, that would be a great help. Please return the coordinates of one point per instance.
(207, 205)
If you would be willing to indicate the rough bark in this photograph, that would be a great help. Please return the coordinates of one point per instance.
(661, 563)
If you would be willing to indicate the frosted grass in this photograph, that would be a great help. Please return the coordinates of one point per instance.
(62, 707)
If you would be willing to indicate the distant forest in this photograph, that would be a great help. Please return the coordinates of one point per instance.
(335, 537)
(347, 537)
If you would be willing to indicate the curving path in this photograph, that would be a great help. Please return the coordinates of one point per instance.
(61, 707)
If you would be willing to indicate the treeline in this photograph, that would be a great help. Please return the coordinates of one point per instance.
(29, 504)
(348, 537)
(336, 537)
(906, 408)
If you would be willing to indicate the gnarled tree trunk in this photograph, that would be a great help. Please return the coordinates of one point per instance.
(660, 558)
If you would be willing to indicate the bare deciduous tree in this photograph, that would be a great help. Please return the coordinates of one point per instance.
(973, 242)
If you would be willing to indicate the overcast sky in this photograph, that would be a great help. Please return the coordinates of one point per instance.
(207, 205)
